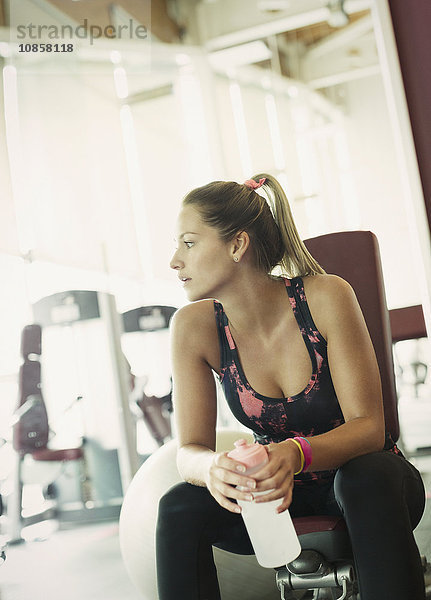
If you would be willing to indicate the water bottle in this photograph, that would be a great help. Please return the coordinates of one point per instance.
(272, 534)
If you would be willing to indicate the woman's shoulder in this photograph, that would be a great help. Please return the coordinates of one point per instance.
(194, 314)
(195, 321)
(326, 287)
(194, 332)
(330, 299)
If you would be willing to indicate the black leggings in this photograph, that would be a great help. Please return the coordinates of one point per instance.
(380, 495)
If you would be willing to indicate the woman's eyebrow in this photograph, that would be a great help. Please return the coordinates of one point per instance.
(187, 233)
(184, 234)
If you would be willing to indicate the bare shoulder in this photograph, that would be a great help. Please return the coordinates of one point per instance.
(194, 326)
(327, 288)
(331, 299)
(200, 313)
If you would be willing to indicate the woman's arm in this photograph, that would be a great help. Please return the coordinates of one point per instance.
(355, 375)
(356, 380)
(193, 333)
(194, 395)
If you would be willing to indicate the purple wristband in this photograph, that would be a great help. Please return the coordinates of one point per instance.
(306, 450)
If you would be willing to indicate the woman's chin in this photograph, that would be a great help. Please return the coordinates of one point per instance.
(194, 296)
(190, 294)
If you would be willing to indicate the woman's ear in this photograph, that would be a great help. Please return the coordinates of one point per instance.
(239, 246)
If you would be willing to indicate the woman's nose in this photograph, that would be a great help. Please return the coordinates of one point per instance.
(175, 261)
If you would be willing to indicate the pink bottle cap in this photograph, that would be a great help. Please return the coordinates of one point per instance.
(250, 455)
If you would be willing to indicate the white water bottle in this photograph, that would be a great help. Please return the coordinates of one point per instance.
(272, 534)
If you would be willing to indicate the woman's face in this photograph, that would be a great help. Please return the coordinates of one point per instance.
(202, 260)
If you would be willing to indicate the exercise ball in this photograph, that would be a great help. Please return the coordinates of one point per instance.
(239, 576)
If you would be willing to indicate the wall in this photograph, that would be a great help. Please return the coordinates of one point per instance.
(411, 27)
(378, 187)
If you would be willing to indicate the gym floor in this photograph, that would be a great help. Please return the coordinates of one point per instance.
(85, 562)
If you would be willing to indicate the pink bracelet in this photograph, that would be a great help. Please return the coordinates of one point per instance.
(306, 450)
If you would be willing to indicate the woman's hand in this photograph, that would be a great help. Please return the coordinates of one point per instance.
(223, 476)
(277, 474)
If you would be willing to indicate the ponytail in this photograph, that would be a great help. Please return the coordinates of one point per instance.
(296, 261)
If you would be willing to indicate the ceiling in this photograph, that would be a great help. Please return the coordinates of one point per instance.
(217, 23)
(309, 40)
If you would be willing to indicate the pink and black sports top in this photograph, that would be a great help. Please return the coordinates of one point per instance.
(313, 411)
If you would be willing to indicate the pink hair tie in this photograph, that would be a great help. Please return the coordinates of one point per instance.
(253, 185)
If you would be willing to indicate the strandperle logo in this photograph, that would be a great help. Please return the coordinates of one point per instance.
(83, 31)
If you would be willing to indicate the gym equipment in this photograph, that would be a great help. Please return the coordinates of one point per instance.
(2, 538)
(82, 358)
(83, 355)
(144, 347)
(156, 413)
(31, 430)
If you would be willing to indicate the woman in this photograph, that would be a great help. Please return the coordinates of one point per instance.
(294, 358)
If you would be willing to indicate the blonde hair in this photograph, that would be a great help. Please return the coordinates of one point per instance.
(231, 207)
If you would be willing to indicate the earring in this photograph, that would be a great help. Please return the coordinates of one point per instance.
(236, 259)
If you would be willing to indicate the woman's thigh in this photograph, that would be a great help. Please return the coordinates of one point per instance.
(382, 498)
(189, 510)
(381, 481)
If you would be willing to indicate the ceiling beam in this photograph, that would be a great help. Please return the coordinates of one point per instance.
(341, 38)
(343, 77)
(153, 15)
(296, 20)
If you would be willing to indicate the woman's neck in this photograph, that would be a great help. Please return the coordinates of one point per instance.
(255, 303)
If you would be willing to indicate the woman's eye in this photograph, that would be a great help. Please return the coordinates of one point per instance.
(188, 244)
